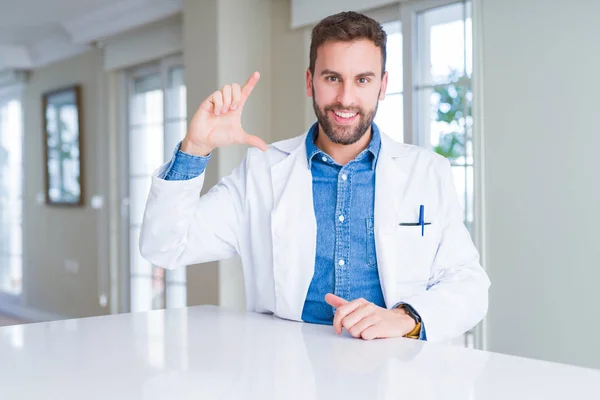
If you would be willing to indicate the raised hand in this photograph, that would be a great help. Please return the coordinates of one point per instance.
(218, 121)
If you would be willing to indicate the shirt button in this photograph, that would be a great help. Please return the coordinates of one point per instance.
(324, 159)
(344, 176)
(341, 218)
(341, 262)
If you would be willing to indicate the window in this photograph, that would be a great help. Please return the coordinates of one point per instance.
(389, 117)
(157, 122)
(443, 92)
(11, 178)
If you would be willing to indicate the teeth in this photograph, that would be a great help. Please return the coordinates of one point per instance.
(344, 114)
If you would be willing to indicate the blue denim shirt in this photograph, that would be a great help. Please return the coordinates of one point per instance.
(184, 166)
(344, 201)
(343, 198)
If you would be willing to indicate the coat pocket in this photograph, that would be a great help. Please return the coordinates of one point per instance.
(415, 252)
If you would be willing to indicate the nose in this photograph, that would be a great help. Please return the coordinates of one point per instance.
(345, 95)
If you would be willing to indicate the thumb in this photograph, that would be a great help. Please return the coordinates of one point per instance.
(334, 301)
(255, 141)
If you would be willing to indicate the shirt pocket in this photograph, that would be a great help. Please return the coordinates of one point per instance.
(371, 253)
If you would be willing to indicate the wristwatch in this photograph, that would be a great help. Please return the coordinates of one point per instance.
(411, 313)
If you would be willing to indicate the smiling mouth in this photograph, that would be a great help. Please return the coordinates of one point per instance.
(344, 114)
(344, 117)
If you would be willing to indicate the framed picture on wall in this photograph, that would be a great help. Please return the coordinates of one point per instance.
(62, 146)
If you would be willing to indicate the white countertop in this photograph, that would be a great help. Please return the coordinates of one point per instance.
(210, 353)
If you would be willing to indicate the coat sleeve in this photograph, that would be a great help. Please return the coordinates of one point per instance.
(457, 295)
(180, 227)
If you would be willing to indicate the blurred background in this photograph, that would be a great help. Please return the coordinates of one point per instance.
(95, 94)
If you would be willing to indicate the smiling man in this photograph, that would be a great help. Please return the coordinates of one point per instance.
(340, 225)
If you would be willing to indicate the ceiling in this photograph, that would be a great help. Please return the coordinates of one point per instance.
(36, 32)
(23, 22)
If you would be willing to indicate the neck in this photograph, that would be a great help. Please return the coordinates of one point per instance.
(342, 153)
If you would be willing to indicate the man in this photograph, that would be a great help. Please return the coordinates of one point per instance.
(339, 226)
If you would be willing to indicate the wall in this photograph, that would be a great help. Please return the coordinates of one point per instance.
(244, 36)
(144, 44)
(200, 55)
(292, 111)
(54, 235)
(540, 60)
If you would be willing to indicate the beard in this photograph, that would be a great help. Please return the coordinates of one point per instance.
(340, 134)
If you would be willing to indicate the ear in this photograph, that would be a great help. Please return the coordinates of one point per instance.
(309, 91)
(384, 82)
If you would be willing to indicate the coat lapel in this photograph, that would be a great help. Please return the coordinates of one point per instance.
(293, 229)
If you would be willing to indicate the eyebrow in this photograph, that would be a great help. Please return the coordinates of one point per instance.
(361, 75)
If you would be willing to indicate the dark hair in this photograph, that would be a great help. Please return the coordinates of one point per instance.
(347, 26)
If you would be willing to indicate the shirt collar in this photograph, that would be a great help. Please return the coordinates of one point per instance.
(312, 150)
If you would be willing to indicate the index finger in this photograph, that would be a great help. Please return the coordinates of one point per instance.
(343, 311)
(335, 301)
(249, 86)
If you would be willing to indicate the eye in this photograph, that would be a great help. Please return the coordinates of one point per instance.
(363, 81)
(332, 79)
